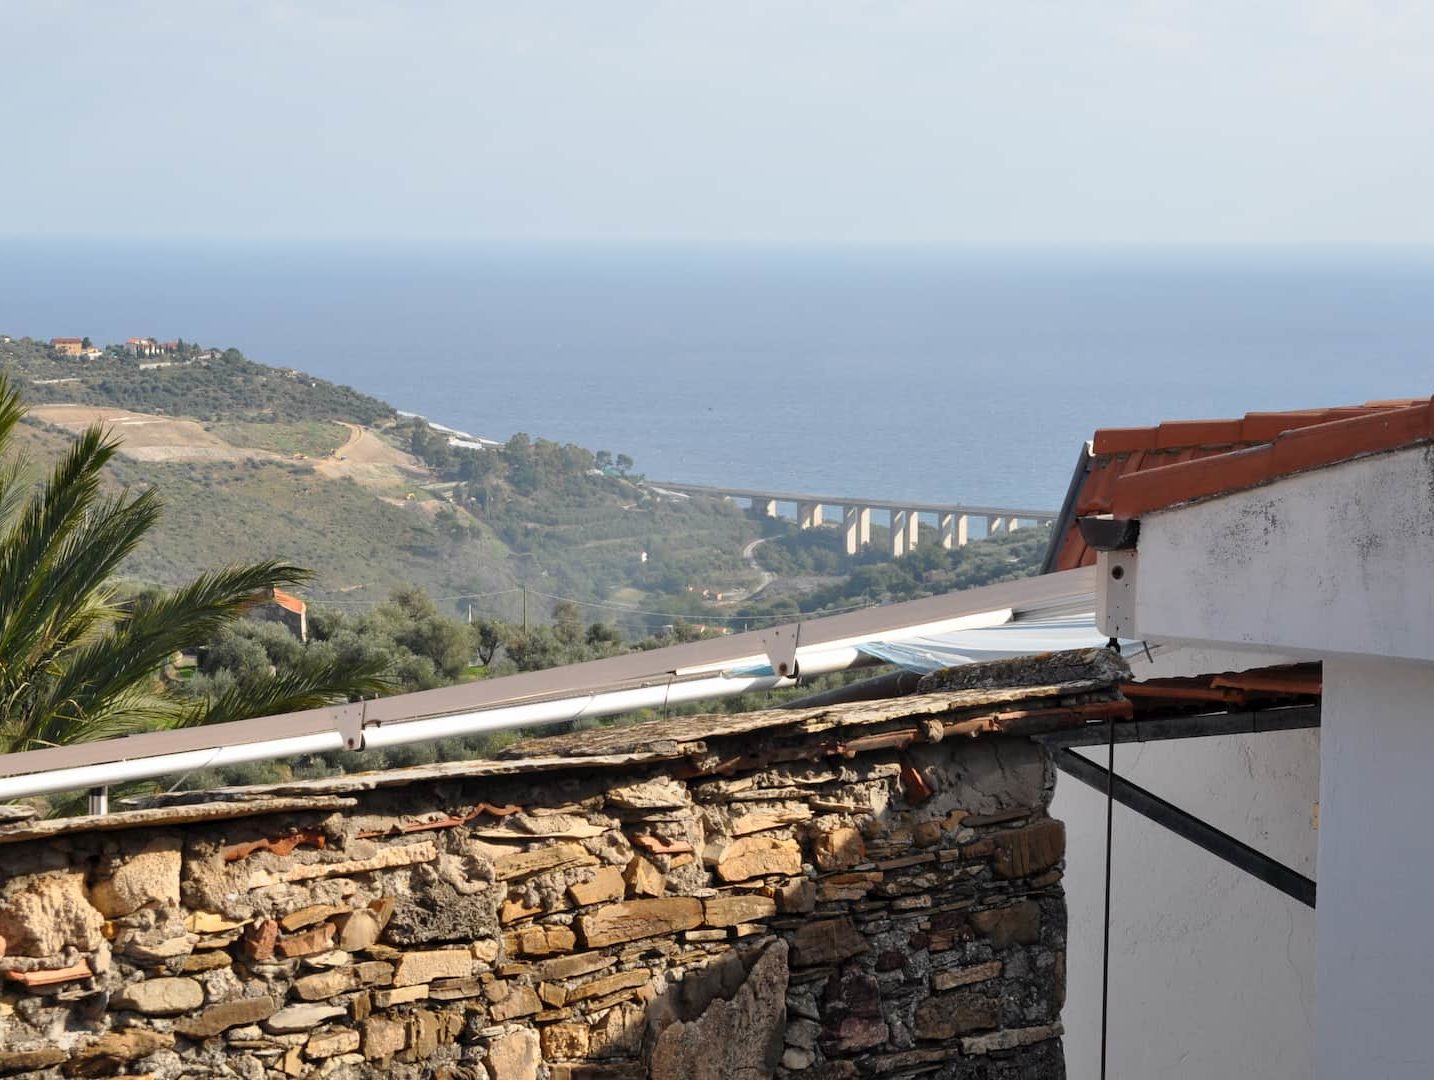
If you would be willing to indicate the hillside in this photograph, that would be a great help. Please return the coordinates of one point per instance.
(255, 462)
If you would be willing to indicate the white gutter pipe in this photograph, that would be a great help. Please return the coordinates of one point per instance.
(436, 714)
(536, 714)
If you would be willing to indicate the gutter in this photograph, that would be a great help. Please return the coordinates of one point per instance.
(713, 668)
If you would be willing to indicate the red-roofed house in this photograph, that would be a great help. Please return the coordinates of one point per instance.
(282, 607)
(68, 346)
(1226, 547)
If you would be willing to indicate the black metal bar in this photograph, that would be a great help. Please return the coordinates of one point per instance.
(1204, 725)
(1221, 845)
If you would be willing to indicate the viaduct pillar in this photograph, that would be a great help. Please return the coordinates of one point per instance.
(995, 525)
(955, 530)
(809, 515)
(765, 507)
(856, 528)
(904, 532)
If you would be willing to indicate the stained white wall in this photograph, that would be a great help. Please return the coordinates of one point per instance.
(1340, 560)
(1336, 564)
(1376, 889)
(1212, 972)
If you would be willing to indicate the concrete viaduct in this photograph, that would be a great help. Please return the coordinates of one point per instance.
(953, 521)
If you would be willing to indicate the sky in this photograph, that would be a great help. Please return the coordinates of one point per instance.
(971, 123)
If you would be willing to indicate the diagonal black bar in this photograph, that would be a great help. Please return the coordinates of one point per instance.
(1204, 725)
(1222, 845)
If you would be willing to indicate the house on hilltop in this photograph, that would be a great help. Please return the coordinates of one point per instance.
(68, 346)
(286, 608)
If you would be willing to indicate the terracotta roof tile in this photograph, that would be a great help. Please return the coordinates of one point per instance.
(1131, 471)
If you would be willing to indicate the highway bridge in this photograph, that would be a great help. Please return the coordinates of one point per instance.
(952, 520)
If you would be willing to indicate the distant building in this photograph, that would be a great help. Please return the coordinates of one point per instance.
(278, 606)
(142, 347)
(68, 346)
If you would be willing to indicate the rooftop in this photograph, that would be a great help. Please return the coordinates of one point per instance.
(1130, 471)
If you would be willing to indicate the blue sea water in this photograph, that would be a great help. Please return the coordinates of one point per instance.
(961, 376)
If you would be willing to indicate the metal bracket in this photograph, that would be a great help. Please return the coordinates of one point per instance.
(349, 722)
(781, 645)
(1115, 593)
(1221, 845)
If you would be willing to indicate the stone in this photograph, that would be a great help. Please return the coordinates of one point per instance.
(515, 909)
(565, 1042)
(386, 859)
(731, 910)
(196, 963)
(13, 1061)
(643, 879)
(383, 1038)
(331, 1044)
(570, 967)
(539, 860)
(553, 994)
(261, 939)
(326, 984)
(316, 940)
(106, 1055)
(42, 914)
(757, 856)
(1016, 924)
(150, 876)
(827, 941)
(172, 949)
(797, 1058)
(854, 1033)
(1009, 1039)
(207, 922)
(740, 1037)
(545, 940)
(661, 793)
(308, 916)
(633, 920)
(607, 984)
(758, 821)
(514, 1056)
(422, 967)
(302, 1018)
(358, 930)
(605, 885)
(797, 897)
(402, 995)
(965, 976)
(220, 1018)
(949, 1015)
(163, 996)
(619, 1032)
(515, 1001)
(838, 849)
(1023, 852)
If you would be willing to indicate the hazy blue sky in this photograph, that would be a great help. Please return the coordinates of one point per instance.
(981, 122)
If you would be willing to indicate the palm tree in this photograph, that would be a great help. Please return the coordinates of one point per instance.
(78, 664)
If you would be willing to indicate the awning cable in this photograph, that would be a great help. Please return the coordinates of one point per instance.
(1109, 830)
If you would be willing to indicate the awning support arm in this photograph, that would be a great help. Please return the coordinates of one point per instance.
(1200, 833)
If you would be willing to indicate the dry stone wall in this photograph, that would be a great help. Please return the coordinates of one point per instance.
(893, 912)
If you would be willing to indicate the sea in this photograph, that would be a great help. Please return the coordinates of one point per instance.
(943, 376)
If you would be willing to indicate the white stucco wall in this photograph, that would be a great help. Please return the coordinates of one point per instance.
(1340, 560)
(1212, 972)
(1338, 565)
(1376, 855)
